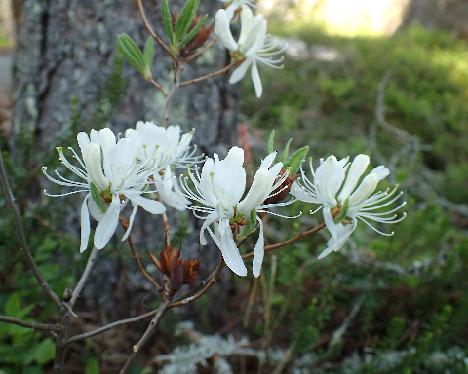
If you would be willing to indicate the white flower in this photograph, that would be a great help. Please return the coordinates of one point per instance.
(163, 150)
(335, 184)
(110, 169)
(253, 45)
(233, 5)
(219, 190)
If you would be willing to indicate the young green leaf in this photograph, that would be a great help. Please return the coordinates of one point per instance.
(97, 198)
(186, 16)
(131, 52)
(271, 142)
(192, 33)
(148, 55)
(296, 160)
(285, 154)
(167, 20)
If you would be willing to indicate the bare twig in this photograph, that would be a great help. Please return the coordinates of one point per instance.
(178, 67)
(110, 326)
(205, 286)
(47, 327)
(146, 335)
(84, 277)
(158, 86)
(151, 30)
(141, 268)
(300, 236)
(167, 228)
(24, 248)
(213, 74)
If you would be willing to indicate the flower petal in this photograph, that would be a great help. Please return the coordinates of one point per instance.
(356, 170)
(256, 81)
(229, 250)
(240, 71)
(130, 223)
(258, 250)
(151, 206)
(85, 225)
(108, 224)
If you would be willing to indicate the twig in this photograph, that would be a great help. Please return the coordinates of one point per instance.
(206, 285)
(176, 84)
(24, 248)
(167, 228)
(150, 29)
(84, 277)
(302, 235)
(110, 326)
(146, 335)
(47, 327)
(141, 268)
(212, 74)
(158, 86)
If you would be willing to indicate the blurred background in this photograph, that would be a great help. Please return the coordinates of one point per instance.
(386, 78)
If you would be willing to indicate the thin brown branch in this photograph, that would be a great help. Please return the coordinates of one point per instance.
(167, 229)
(84, 277)
(110, 326)
(140, 266)
(300, 236)
(146, 335)
(178, 67)
(205, 286)
(158, 86)
(150, 29)
(24, 248)
(47, 327)
(213, 74)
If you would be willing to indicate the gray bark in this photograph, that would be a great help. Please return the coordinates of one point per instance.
(65, 53)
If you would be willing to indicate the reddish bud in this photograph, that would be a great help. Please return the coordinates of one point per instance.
(282, 191)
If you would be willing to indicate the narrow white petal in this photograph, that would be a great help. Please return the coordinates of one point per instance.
(240, 71)
(356, 170)
(130, 224)
(258, 250)
(108, 224)
(151, 206)
(85, 225)
(229, 250)
(223, 30)
(256, 81)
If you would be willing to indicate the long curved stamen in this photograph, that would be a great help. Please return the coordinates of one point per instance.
(64, 194)
(280, 215)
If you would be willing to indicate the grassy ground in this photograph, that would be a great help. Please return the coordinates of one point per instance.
(403, 101)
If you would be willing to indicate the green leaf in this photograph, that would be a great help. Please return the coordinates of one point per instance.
(188, 38)
(285, 154)
(271, 142)
(13, 305)
(131, 52)
(97, 197)
(167, 20)
(45, 352)
(186, 16)
(92, 366)
(148, 55)
(296, 160)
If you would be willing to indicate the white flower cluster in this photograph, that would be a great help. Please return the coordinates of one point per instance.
(335, 186)
(140, 169)
(253, 46)
(115, 172)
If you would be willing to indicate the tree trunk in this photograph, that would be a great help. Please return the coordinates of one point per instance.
(64, 59)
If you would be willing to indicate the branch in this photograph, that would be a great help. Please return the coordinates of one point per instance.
(201, 51)
(141, 268)
(206, 285)
(216, 73)
(158, 86)
(47, 327)
(24, 248)
(300, 236)
(110, 326)
(84, 277)
(150, 29)
(176, 84)
(146, 335)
